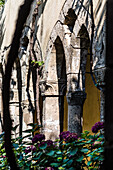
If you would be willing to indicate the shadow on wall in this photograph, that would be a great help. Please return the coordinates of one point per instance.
(2, 33)
(62, 79)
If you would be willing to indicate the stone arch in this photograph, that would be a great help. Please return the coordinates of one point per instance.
(72, 50)
(91, 105)
(58, 31)
(56, 79)
(62, 79)
(68, 31)
(84, 49)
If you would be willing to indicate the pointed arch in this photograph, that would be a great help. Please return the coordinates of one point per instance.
(91, 107)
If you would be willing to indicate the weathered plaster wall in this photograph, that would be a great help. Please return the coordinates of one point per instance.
(47, 20)
(7, 25)
(9, 18)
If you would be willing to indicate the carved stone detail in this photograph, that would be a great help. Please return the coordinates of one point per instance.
(52, 87)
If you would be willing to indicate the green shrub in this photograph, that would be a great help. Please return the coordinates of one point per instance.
(69, 152)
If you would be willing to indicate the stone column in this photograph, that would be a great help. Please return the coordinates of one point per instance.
(75, 108)
(100, 74)
(102, 104)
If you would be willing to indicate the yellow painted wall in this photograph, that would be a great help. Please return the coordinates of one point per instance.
(91, 108)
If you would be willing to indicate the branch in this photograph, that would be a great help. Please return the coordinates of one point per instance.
(13, 53)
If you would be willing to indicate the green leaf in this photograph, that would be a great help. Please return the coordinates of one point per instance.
(59, 159)
(101, 159)
(69, 162)
(28, 163)
(89, 163)
(91, 168)
(71, 168)
(65, 160)
(44, 146)
(90, 141)
(73, 151)
(96, 158)
(51, 153)
(40, 63)
(26, 168)
(21, 157)
(15, 145)
(61, 168)
(86, 132)
(81, 140)
(81, 143)
(2, 134)
(38, 155)
(55, 165)
(85, 150)
(33, 61)
(80, 159)
(59, 152)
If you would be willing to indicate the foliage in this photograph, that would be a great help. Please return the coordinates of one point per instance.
(2, 2)
(37, 63)
(69, 152)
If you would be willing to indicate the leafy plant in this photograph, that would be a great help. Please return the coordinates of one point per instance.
(69, 152)
(2, 2)
(37, 63)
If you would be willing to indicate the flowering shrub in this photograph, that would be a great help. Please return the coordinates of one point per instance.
(97, 127)
(68, 136)
(38, 138)
(68, 152)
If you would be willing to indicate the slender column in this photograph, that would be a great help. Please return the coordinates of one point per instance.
(75, 108)
(100, 75)
(102, 104)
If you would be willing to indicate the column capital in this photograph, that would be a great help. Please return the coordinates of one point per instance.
(76, 98)
(100, 76)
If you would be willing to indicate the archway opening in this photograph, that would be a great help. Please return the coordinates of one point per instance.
(91, 107)
(62, 84)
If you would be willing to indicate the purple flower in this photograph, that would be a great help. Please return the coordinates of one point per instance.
(71, 137)
(68, 136)
(64, 134)
(33, 148)
(38, 138)
(97, 127)
(42, 143)
(28, 150)
(49, 143)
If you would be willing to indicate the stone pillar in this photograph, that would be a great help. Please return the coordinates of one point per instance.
(75, 108)
(102, 104)
(100, 74)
